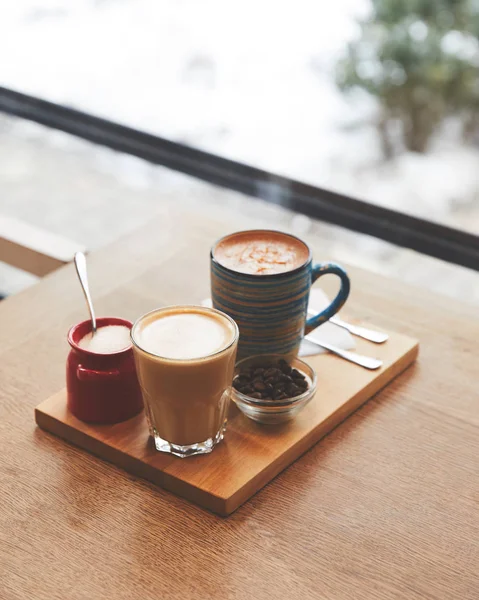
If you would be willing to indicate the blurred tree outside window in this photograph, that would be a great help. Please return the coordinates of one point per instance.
(420, 59)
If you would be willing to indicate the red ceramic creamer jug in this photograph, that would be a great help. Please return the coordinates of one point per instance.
(101, 388)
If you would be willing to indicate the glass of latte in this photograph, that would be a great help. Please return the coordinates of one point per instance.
(185, 357)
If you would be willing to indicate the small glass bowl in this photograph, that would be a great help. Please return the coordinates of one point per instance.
(272, 412)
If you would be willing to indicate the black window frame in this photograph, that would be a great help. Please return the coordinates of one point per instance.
(427, 237)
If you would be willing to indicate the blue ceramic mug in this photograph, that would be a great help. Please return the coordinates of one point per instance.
(269, 300)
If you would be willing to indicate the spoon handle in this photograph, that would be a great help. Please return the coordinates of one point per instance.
(368, 334)
(80, 265)
(367, 362)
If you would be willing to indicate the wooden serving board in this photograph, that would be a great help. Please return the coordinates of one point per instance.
(251, 454)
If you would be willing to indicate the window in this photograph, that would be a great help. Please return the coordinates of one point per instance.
(371, 101)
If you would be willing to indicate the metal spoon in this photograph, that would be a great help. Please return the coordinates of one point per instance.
(80, 265)
(359, 359)
(368, 334)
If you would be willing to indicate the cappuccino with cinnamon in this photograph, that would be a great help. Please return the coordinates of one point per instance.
(261, 252)
(261, 279)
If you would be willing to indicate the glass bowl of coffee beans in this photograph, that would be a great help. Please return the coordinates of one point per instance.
(272, 389)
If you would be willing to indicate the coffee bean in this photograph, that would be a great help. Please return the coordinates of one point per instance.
(240, 380)
(292, 390)
(270, 381)
(285, 368)
(240, 385)
(247, 389)
(295, 374)
(272, 373)
(259, 386)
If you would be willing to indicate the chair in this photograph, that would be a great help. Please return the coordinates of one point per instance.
(33, 250)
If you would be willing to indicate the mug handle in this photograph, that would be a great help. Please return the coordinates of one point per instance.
(92, 375)
(337, 303)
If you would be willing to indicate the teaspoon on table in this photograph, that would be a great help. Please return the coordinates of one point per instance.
(80, 265)
(368, 362)
(377, 337)
(368, 334)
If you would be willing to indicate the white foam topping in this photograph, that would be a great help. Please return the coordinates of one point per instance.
(185, 335)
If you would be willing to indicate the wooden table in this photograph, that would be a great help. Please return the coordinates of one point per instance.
(384, 507)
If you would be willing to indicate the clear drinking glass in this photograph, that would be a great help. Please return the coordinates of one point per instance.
(186, 400)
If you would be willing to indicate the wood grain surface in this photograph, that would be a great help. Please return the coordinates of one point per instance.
(251, 454)
(385, 507)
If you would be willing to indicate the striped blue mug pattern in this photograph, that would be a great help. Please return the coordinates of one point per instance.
(271, 309)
